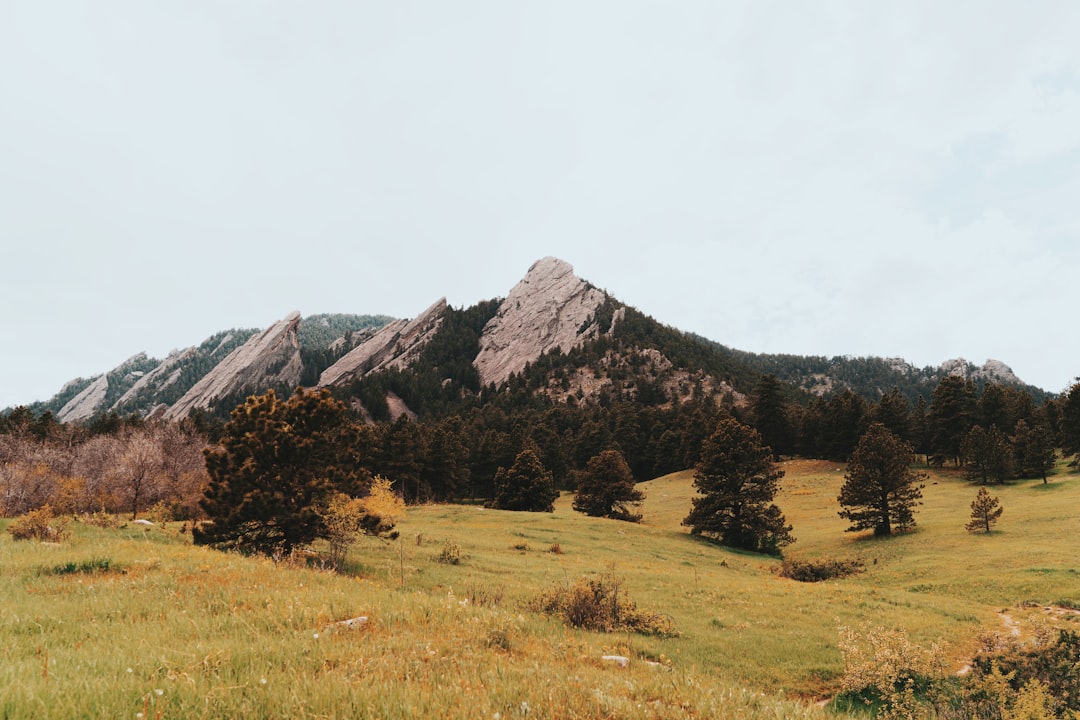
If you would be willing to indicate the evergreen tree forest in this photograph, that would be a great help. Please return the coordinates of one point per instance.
(649, 392)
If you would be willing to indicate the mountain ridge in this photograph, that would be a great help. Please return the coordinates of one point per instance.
(550, 313)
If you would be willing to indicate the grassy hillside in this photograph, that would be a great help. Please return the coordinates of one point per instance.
(121, 621)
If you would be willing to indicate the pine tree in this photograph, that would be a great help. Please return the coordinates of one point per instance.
(881, 490)
(985, 511)
(894, 412)
(843, 424)
(992, 408)
(952, 413)
(987, 455)
(769, 415)
(1070, 422)
(738, 480)
(1033, 450)
(607, 487)
(920, 428)
(275, 465)
(527, 485)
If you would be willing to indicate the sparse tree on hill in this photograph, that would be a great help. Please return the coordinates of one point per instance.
(606, 488)
(274, 469)
(881, 490)
(527, 485)
(985, 511)
(738, 480)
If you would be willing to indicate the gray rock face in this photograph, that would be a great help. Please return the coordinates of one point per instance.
(991, 371)
(270, 358)
(95, 396)
(157, 379)
(86, 403)
(396, 345)
(549, 308)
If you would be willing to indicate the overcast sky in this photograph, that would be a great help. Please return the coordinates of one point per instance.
(828, 178)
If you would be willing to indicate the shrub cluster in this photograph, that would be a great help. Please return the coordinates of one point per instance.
(1012, 678)
(450, 554)
(601, 604)
(39, 525)
(819, 570)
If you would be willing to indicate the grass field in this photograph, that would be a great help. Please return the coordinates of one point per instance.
(114, 623)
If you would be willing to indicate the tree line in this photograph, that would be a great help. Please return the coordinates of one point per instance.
(996, 434)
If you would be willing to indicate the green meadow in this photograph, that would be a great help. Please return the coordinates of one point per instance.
(136, 622)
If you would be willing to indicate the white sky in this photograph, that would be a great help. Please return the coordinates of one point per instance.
(894, 179)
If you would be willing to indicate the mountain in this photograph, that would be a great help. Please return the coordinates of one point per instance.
(871, 377)
(393, 346)
(550, 308)
(149, 386)
(554, 336)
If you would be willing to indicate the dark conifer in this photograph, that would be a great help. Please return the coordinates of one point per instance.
(606, 488)
(985, 511)
(738, 480)
(276, 462)
(527, 485)
(952, 413)
(881, 491)
(987, 455)
(769, 415)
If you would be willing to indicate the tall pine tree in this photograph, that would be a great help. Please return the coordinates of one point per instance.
(880, 490)
(738, 481)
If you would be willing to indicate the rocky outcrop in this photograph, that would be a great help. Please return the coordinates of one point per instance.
(550, 308)
(396, 345)
(97, 396)
(270, 358)
(158, 379)
(990, 371)
(84, 405)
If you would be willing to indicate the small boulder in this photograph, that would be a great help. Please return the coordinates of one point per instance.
(620, 660)
(350, 624)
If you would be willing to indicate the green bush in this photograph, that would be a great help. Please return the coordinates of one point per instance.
(819, 570)
(601, 604)
(86, 567)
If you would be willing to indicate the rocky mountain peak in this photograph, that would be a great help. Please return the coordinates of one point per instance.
(990, 371)
(270, 358)
(93, 398)
(549, 308)
(395, 345)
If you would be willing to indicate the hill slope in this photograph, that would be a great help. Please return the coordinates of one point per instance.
(236, 636)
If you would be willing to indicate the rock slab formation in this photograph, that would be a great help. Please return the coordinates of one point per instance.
(550, 308)
(395, 345)
(270, 358)
(86, 403)
(95, 396)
